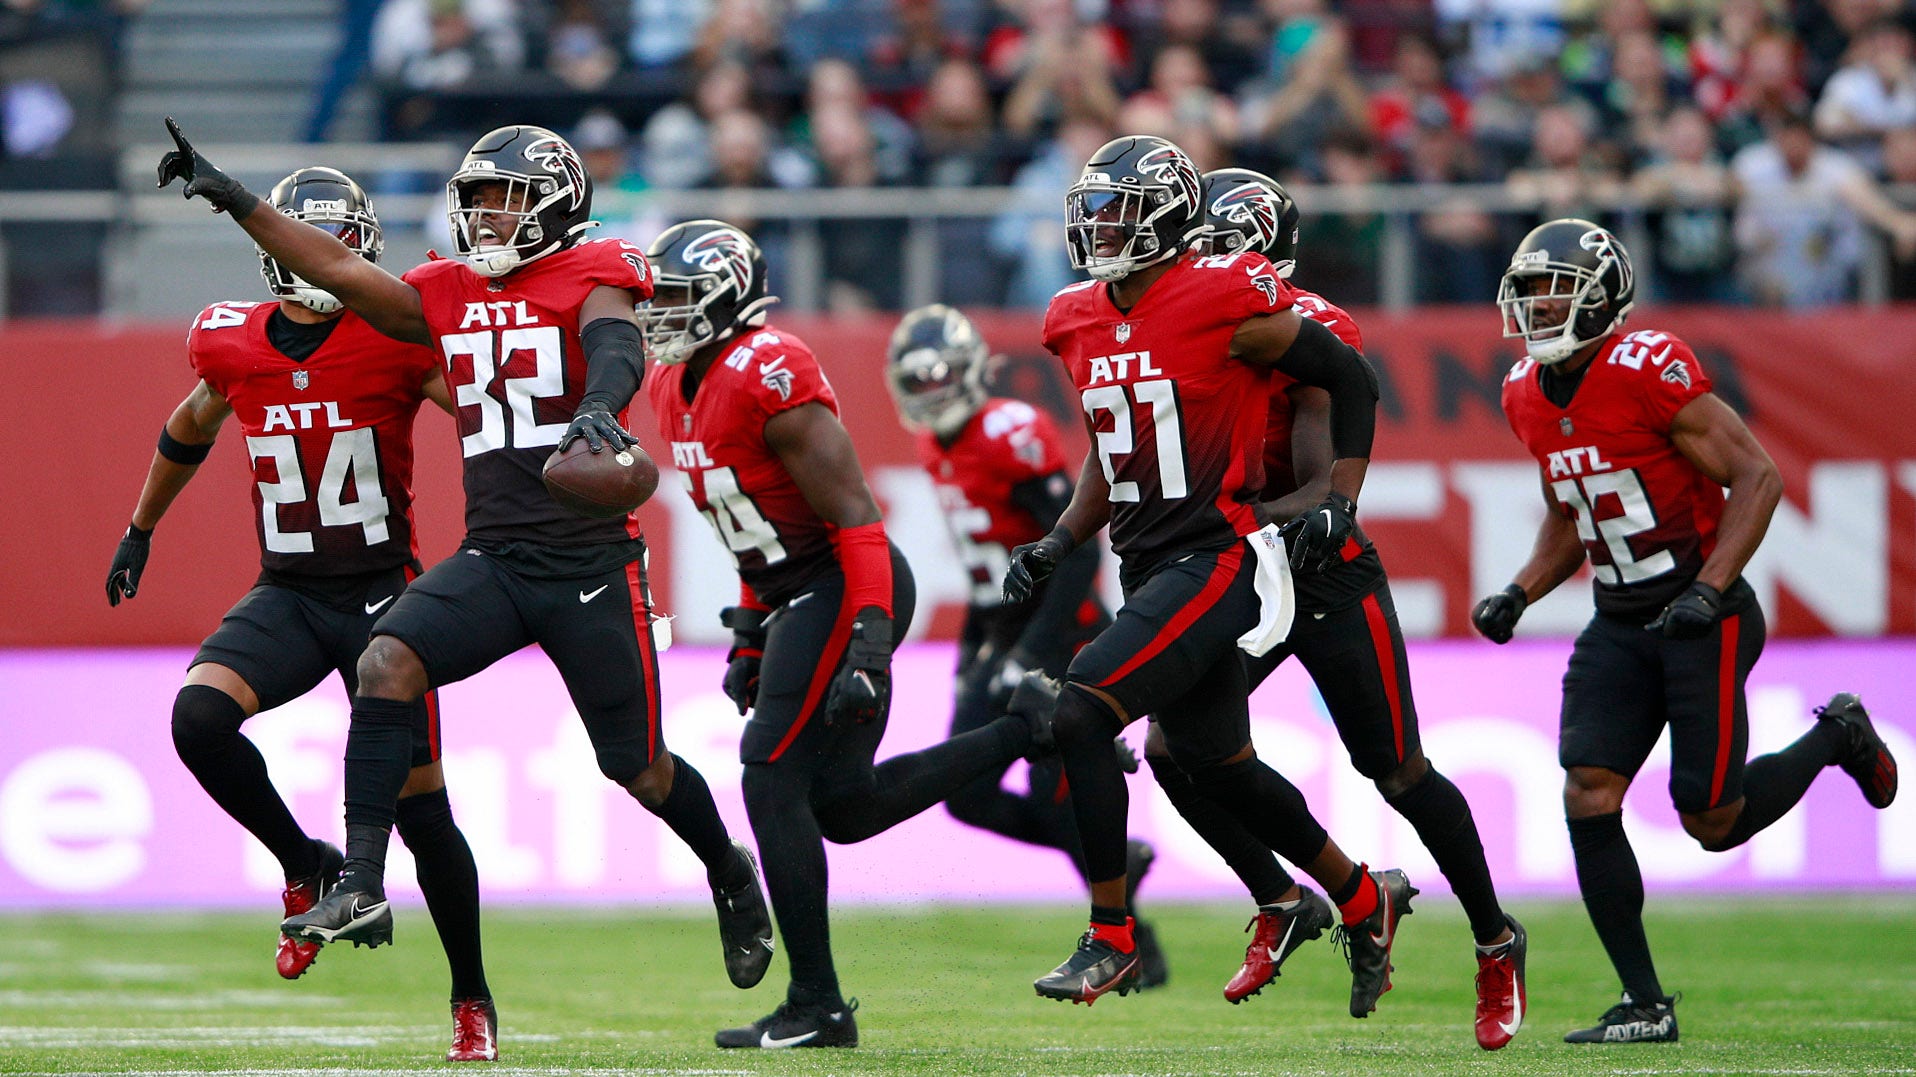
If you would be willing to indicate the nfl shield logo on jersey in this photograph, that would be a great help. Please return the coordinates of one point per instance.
(1123, 332)
(301, 379)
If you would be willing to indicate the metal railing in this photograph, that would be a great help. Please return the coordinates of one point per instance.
(406, 178)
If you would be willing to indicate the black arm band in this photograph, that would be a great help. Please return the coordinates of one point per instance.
(614, 363)
(1317, 357)
(180, 452)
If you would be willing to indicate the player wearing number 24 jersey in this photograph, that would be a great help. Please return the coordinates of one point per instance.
(1634, 452)
(538, 337)
(326, 406)
(1171, 353)
(824, 596)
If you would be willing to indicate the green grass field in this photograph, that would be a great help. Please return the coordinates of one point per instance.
(1772, 987)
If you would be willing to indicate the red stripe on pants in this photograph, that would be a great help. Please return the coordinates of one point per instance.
(821, 677)
(1220, 581)
(1725, 706)
(1386, 665)
(648, 659)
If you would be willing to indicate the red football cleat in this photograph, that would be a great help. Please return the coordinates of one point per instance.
(1501, 999)
(475, 1031)
(1274, 934)
(295, 957)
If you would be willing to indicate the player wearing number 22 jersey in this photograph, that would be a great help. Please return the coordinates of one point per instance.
(536, 332)
(1634, 452)
(1171, 354)
(326, 406)
(755, 434)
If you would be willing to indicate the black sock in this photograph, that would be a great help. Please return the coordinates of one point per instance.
(1248, 857)
(450, 881)
(1612, 886)
(378, 758)
(792, 852)
(1346, 890)
(1437, 810)
(206, 734)
(1104, 914)
(691, 813)
(1772, 784)
(907, 784)
(1099, 798)
(1266, 805)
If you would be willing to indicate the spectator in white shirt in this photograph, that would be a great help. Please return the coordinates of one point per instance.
(1874, 94)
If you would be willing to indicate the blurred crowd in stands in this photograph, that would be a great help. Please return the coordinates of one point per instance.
(1757, 136)
(1757, 145)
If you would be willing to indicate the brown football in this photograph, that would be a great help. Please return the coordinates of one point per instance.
(601, 485)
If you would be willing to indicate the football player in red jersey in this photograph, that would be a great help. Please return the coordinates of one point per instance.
(323, 400)
(1347, 637)
(1634, 452)
(1171, 352)
(538, 336)
(998, 467)
(823, 596)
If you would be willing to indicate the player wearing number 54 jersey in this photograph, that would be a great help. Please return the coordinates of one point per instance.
(1634, 452)
(537, 335)
(824, 596)
(326, 405)
(1171, 353)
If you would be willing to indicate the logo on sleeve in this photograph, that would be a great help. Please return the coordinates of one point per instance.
(1263, 282)
(1677, 371)
(773, 375)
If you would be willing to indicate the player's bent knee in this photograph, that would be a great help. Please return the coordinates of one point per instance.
(389, 669)
(1400, 779)
(624, 765)
(203, 719)
(1082, 716)
(1593, 791)
(653, 783)
(422, 816)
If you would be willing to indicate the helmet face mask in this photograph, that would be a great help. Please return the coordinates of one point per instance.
(521, 193)
(935, 369)
(708, 282)
(1569, 285)
(329, 200)
(1134, 205)
(1249, 211)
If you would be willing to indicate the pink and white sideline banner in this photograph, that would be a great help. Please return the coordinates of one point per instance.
(95, 809)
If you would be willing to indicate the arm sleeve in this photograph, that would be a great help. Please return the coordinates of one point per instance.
(614, 364)
(864, 554)
(1318, 358)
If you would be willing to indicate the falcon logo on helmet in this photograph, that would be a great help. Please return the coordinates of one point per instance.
(1169, 166)
(724, 253)
(558, 157)
(1247, 211)
(1251, 206)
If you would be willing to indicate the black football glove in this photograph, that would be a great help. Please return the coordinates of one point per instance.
(747, 654)
(599, 429)
(1692, 616)
(1032, 564)
(1496, 617)
(129, 561)
(203, 180)
(1316, 539)
(862, 689)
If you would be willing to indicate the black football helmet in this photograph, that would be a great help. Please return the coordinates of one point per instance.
(1136, 203)
(721, 274)
(547, 189)
(329, 199)
(1250, 211)
(1588, 288)
(935, 369)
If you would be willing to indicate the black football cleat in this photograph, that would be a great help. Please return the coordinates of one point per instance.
(797, 1026)
(295, 957)
(1865, 758)
(355, 916)
(1275, 935)
(1631, 1022)
(744, 926)
(1367, 943)
(1094, 969)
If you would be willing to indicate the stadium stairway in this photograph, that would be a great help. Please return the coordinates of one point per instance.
(245, 69)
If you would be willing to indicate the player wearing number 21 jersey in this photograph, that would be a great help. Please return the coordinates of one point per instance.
(326, 406)
(536, 332)
(1170, 352)
(755, 434)
(1634, 452)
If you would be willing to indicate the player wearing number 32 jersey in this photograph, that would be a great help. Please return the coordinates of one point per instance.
(1634, 452)
(1171, 353)
(326, 406)
(536, 332)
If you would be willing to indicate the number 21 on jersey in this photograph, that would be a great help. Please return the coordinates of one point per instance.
(1160, 396)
